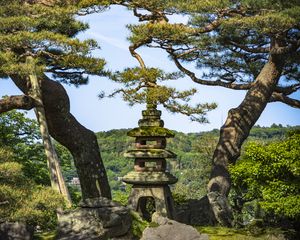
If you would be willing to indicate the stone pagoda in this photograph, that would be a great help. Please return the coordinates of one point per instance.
(149, 179)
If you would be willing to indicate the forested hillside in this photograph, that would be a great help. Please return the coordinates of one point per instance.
(194, 152)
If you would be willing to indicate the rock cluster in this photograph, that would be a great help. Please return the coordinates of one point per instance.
(15, 231)
(97, 218)
(171, 230)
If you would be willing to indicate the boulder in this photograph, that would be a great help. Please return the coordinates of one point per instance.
(95, 219)
(171, 230)
(196, 212)
(15, 231)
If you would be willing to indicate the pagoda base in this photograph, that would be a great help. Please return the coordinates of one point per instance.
(164, 204)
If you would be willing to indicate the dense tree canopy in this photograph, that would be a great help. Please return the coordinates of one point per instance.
(25, 194)
(270, 175)
(20, 135)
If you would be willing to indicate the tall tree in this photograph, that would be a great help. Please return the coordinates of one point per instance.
(45, 31)
(57, 180)
(246, 45)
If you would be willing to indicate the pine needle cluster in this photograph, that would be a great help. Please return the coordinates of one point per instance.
(45, 30)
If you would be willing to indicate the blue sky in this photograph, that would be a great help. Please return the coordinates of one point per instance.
(109, 29)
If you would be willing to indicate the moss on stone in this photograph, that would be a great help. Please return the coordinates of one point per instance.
(151, 131)
(149, 153)
(149, 178)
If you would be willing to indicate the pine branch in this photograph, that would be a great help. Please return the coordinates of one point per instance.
(132, 49)
(192, 75)
(250, 50)
(279, 97)
(288, 90)
(16, 102)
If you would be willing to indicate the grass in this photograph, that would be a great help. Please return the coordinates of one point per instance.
(45, 236)
(215, 233)
(222, 233)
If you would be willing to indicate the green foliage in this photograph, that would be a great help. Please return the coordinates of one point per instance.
(45, 235)
(113, 144)
(23, 200)
(121, 197)
(179, 197)
(192, 165)
(75, 194)
(66, 162)
(222, 233)
(20, 141)
(138, 224)
(21, 136)
(140, 87)
(228, 41)
(271, 174)
(15, 128)
(45, 32)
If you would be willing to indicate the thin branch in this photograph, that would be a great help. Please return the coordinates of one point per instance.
(250, 50)
(16, 102)
(279, 97)
(288, 90)
(206, 82)
(132, 49)
(187, 52)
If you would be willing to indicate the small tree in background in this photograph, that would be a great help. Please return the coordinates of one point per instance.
(270, 175)
(21, 199)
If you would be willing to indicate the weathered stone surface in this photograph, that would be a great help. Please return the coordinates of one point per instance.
(128, 236)
(150, 131)
(15, 231)
(93, 221)
(149, 178)
(161, 195)
(195, 212)
(98, 202)
(154, 122)
(171, 230)
(221, 208)
(149, 153)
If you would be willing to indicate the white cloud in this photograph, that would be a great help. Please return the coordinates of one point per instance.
(110, 40)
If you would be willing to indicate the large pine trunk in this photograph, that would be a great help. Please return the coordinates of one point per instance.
(234, 132)
(80, 141)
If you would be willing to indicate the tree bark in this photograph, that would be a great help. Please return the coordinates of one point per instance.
(80, 141)
(16, 102)
(56, 177)
(234, 132)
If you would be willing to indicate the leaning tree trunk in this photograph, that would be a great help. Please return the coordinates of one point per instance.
(80, 141)
(56, 177)
(234, 132)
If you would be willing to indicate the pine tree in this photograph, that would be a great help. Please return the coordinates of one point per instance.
(249, 45)
(45, 31)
